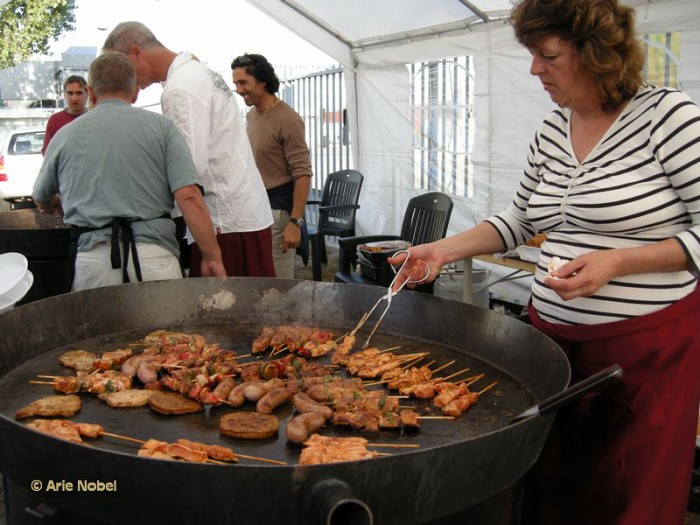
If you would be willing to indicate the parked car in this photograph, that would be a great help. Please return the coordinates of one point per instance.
(20, 161)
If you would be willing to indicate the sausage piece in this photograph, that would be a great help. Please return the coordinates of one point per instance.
(302, 426)
(147, 373)
(304, 404)
(260, 388)
(223, 389)
(236, 396)
(274, 398)
(254, 391)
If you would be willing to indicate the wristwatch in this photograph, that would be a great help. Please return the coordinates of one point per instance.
(298, 222)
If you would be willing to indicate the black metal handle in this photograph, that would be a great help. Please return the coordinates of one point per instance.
(590, 384)
(571, 394)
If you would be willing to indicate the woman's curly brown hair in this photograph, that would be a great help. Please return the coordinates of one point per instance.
(603, 33)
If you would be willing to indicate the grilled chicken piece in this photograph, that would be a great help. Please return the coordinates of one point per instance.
(322, 449)
(127, 398)
(52, 406)
(216, 452)
(112, 360)
(460, 404)
(90, 430)
(59, 428)
(64, 429)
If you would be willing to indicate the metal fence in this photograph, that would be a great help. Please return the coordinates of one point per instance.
(441, 116)
(321, 101)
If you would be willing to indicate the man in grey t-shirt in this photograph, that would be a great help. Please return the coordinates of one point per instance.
(118, 171)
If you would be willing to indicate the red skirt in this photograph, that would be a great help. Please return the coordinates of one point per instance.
(624, 455)
(245, 254)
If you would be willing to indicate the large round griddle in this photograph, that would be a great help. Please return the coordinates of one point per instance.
(459, 463)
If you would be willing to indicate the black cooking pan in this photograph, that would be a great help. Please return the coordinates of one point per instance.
(459, 464)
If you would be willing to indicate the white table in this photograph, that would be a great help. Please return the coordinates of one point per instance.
(520, 269)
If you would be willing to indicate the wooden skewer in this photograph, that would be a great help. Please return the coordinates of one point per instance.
(412, 362)
(414, 354)
(410, 357)
(389, 349)
(398, 397)
(436, 417)
(362, 321)
(49, 377)
(486, 388)
(394, 445)
(455, 374)
(443, 367)
(470, 380)
(373, 383)
(217, 462)
(239, 356)
(276, 351)
(381, 454)
(141, 442)
(264, 460)
(42, 382)
(125, 438)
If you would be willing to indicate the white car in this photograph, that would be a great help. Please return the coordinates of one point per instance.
(20, 161)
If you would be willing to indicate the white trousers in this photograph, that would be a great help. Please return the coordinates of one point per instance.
(93, 269)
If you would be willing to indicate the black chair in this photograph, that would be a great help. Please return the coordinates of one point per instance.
(426, 219)
(336, 214)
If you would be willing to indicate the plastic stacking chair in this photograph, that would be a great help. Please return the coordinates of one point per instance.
(426, 219)
(336, 214)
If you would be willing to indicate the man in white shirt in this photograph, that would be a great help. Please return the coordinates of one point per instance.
(205, 111)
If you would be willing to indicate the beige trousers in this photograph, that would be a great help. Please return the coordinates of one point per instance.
(93, 269)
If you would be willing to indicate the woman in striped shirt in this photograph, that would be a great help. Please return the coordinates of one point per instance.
(613, 179)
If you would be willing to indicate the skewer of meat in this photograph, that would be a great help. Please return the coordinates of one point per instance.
(98, 382)
(463, 402)
(169, 342)
(262, 342)
(342, 351)
(74, 432)
(112, 360)
(321, 449)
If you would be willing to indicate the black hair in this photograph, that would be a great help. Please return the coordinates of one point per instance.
(259, 68)
(75, 79)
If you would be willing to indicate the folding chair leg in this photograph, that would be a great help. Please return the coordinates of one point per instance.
(324, 253)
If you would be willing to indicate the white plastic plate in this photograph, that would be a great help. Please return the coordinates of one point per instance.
(528, 253)
(8, 299)
(13, 266)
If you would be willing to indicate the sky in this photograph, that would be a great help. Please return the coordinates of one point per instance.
(215, 31)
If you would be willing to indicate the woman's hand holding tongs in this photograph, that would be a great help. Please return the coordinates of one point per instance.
(417, 265)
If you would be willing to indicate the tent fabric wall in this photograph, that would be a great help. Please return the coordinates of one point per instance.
(509, 102)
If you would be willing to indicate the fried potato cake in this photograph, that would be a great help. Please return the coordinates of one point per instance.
(172, 403)
(78, 359)
(249, 425)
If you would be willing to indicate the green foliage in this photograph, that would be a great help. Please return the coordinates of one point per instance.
(28, 27)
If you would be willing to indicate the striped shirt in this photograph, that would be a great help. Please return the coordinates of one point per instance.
(639, 185)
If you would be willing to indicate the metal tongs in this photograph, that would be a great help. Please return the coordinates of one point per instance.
(388, 296)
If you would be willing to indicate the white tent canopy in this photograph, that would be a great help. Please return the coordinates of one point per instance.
(376, 39)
